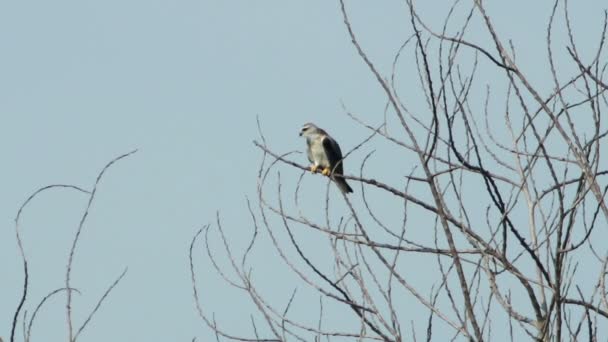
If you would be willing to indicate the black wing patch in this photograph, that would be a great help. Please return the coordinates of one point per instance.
(334, 155)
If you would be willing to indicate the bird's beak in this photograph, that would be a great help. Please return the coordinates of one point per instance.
(300, 133)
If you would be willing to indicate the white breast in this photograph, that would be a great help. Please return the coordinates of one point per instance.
(318, 153)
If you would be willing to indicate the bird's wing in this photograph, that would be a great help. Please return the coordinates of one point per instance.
(334, 155)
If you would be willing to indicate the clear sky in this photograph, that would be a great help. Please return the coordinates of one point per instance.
(82, 82)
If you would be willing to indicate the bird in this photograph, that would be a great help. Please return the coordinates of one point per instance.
(324, 154)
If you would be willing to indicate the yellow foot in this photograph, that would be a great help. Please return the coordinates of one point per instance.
(314, 168)
(326, 171)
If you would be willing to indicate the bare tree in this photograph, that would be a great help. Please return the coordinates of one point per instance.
(21, 313)
(506, 178)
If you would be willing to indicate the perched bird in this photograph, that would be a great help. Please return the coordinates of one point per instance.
(324, 154)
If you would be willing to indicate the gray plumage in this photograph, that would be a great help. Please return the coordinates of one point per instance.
(324, 153)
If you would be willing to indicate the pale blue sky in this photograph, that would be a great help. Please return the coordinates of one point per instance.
(82, 82)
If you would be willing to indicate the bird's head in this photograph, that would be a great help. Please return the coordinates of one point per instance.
(310, 129)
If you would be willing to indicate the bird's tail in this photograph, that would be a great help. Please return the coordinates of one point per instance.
(342, 185)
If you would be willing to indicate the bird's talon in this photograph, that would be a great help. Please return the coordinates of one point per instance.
(313, 168)
(326, 171)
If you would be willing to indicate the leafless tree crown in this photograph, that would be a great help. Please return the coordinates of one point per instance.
(502, 213)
